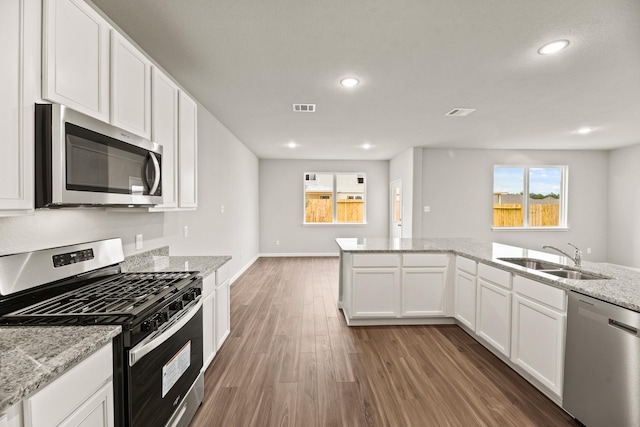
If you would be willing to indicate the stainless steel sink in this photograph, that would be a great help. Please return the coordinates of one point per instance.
(532, 263)
(557, 270)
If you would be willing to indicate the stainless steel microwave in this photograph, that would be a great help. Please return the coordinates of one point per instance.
(81, 161)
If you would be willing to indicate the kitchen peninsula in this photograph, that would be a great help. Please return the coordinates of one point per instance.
(519, 312)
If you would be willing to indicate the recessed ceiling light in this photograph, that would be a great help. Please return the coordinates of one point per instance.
(292, 145)
(366, 145)
(585, 130)
(553, 47)
(349, 82)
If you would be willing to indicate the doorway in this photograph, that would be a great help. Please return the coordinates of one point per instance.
(395, 203)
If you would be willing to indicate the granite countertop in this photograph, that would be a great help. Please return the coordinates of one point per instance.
(159, 260)
(32, 356)
(622, 289)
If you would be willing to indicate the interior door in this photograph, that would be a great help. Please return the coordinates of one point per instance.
(395, 193)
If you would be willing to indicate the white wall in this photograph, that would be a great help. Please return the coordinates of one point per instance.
(282, 206)
(458, 184)
(227, 174)
(624, 206)
(226, 221)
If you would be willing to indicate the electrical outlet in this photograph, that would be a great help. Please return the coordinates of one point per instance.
(588, 250)
(138, 242)
(277, 242)
(185, 231)
(221, 208)
(427, 208)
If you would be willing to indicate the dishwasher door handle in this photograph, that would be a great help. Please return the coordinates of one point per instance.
(623, 327)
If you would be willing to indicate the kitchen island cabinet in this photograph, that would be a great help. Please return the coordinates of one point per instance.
(517, 313)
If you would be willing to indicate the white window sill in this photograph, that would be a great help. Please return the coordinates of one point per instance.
(328, 224)
(530, 228)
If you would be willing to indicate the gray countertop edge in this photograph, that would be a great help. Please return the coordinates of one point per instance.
(206, 265)
(37, 355)
(622, 290)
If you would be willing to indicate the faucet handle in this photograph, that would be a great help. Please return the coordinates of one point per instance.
(578, 254)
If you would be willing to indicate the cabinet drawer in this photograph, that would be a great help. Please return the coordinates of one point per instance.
(57, 400)
(376, 260)
(495, 275)
(543, 293)
(466, 264)
(425, 260)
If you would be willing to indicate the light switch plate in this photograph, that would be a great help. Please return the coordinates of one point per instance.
(138, 242)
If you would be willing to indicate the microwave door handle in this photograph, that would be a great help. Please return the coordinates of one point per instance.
(156, 176)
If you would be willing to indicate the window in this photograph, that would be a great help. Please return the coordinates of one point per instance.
(546, 204)
(334, 198)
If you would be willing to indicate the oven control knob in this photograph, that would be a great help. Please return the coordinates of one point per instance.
(189, 296)
(164, 317)
(151, 325)
(176, 305)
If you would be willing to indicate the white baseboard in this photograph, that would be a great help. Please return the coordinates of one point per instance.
(299, 254)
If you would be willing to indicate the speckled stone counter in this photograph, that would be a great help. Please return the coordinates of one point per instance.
(622, 289)
(159, 260)
(32, 356)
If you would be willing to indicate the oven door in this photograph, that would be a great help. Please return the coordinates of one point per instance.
(162, 370)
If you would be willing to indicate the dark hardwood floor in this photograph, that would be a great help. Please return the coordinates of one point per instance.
(291, 360)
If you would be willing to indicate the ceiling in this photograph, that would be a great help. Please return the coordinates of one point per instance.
(248, 61)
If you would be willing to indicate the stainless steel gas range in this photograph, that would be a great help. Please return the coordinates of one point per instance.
(157, 368)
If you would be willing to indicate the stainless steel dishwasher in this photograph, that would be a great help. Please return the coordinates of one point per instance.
(602, 363)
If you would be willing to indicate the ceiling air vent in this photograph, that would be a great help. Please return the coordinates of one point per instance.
(460, 112)
(304, 108)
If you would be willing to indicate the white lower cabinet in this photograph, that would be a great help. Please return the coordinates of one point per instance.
(12, 417)
(493, 309)
(465, 292)
(208, 321)
(539, 328)
(376, 292)
(423, 291)
(83, 396)
(222, 320)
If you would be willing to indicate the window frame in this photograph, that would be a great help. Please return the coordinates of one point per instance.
(564, 196)
(334, 196)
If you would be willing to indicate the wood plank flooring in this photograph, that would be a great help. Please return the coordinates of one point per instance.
(291, 360)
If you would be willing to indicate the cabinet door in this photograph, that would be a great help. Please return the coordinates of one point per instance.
(465, 299)
(76, 57)
(81, 395)
(222, 320)
(130, 87)
(97, 411)
(187, 158)
(165, 132)
(376, 292)
(493, 321)
(209, 331)
(538, 342)
(16, 108)
(423, 291)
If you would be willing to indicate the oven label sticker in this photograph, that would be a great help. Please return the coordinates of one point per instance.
(174, 368)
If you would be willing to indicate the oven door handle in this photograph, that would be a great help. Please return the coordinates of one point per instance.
(149, 344)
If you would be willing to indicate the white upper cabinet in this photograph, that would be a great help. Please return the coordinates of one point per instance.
(165, 132)
(76, 57)
(130, 87)
(16, 108)
(188, 151)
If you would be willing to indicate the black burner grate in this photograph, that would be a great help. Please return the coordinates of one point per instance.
(126, 294)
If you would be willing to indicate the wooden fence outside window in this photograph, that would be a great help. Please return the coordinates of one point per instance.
(540, 215)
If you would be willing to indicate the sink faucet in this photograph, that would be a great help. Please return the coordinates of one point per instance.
(577, 258)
